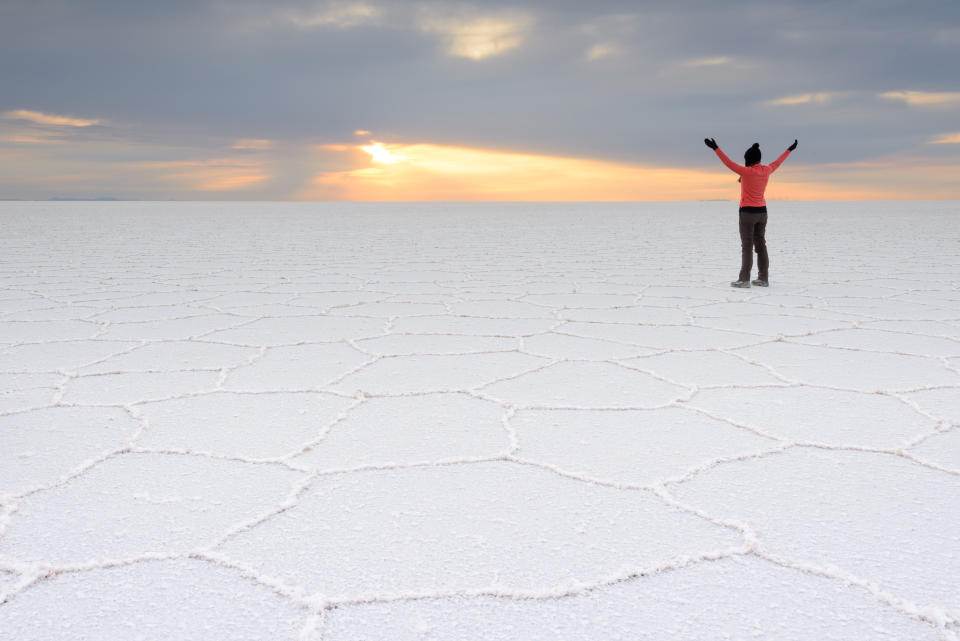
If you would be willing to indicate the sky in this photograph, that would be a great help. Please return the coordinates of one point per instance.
(378, 100)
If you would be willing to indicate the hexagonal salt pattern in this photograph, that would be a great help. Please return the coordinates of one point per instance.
(345, 422)
(137, 504)
(43, 445)
(632, 446)
(573, 385)
(876, 517)
(189, 599)
(411, 429)
(836, 417)
(241, 424)
(466, 527)
(734, 598)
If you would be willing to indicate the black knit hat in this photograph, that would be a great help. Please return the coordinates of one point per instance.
(752, 156)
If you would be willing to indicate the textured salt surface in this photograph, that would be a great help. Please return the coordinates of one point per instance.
(359, 422)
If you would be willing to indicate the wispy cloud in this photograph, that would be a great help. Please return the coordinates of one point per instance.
(819, 98)
(361, 132)
(947, 139)
(32, 136)
(256, 144)
(210, 174)
(337, 15)
(715, 61)
(611, 35)
(41, 118)
(602, 50)
(924, 98)
(475, 35)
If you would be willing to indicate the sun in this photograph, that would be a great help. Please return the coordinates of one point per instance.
(381, 154)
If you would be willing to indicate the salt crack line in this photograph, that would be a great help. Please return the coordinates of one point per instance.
(166, 451)
(325, 430)
(566, 589)
(293, 498)
(935, 615)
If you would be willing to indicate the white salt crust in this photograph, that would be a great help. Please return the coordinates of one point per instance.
(249, 421)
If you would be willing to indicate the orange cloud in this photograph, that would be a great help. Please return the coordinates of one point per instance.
(601, 50)
(924, 98)
(32, 137)
(888, 179)
(716, 61)
(48, 119)
(340, 15)
(803, 99)
(228, 181)
(437, 172)
(257, 144)
(946, 139)
(361, 132)
(212, 174)
(428, 172)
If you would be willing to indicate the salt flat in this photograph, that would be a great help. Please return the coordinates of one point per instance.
(458, 422)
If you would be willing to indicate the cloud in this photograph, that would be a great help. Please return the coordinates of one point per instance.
(33, 136)
(601, 50)
(361, 132)
(819, 98)
(708, 62)
(924, 98)
(41, 118)
(257, 144)
(336, 147)
(209, 174)
(612, 35)
(470, 34)
(228, 181)
(432, 172)
(889, 178)
(947, 139)
(338, 15)
(423, 171)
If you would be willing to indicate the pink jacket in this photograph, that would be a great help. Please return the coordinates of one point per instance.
(753, 179)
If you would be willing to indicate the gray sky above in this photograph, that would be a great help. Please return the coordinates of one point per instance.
(637, 82)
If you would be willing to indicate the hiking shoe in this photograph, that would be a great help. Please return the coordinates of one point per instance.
(761, 283)
(740, 283)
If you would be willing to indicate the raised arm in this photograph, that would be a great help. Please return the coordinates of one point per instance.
(776, 163)
(734, 167)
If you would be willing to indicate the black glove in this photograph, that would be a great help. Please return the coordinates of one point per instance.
(793, 146)
(710, 142)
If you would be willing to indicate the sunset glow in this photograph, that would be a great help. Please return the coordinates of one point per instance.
(425, 172)
(381, 154)
(41, 118)
(435, 100)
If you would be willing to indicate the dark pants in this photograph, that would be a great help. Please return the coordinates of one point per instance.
(752, 229)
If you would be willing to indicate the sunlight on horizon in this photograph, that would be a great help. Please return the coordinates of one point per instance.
(381, 154)
(433, 172)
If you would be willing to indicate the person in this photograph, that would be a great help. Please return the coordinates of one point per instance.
(753, 209)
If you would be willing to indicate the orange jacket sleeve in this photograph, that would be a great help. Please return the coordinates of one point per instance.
(734, 167)
(776, 163)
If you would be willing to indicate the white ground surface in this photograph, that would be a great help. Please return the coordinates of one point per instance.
(452, 422)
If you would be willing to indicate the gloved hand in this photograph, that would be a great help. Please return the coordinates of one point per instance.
(710, 142)
(793, 146)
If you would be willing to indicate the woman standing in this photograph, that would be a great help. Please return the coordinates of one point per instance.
(753, 209)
